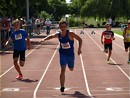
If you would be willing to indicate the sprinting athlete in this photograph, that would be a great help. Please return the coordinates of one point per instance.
(66, 50)
(108, 36)
(19, 46)
(126, 35)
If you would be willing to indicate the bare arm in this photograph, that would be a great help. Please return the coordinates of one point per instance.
(102, 38)
(7, 43)
(28, 43)
(55, 35)
(124, 32)
(79, 42)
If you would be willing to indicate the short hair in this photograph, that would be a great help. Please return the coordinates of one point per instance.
(16, 21)
(128, 21)
(63, 22)
(107, 24)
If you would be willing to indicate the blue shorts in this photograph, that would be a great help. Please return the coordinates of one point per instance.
(65, 59)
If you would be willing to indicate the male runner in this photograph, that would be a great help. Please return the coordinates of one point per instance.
(108, 36)
(19, 46)
(126, 35)
(66, 50)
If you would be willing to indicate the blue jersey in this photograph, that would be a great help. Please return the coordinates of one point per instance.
(66, 45)
(19, 41)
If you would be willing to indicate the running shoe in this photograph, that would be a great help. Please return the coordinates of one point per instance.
(62, 89)
(19, 77)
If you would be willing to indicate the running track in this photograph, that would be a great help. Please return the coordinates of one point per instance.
(91, 78)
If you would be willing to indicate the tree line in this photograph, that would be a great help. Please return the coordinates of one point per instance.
(17, 8)
(59, 8)
(102, 8)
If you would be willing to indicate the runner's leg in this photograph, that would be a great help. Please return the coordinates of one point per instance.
(62, 76)
(17, 66)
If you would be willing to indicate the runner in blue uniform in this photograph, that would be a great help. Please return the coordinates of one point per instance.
(66, 50)
(19, 46)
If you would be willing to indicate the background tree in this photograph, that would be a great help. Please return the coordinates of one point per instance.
(103, 8)
(58, 8)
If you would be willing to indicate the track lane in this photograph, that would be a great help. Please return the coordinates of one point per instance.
(103, 76)
(75, 83)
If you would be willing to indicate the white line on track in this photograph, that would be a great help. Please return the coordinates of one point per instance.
(13, 65)
(85, 77)
(111, 58)
(35, 91)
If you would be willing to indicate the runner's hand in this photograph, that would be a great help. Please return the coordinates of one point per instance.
(28, 47)
(5, 45)
(79, 51)
(102, 42)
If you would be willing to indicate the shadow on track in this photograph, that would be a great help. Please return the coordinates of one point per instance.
(26, 80)
(78, 94)
(115, 64)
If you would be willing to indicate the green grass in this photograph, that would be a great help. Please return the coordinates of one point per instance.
(118, 32)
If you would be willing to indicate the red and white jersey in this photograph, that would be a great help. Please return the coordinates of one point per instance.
(108, 36)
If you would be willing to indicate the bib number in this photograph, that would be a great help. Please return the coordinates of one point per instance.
(108, 36)
(18, 36)
(65, 45)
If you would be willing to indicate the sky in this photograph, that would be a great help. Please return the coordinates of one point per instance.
(67, 1)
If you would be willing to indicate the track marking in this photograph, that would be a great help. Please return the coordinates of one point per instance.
(35, 91)
(58, 88)
(84, 73)
(13, 65)
(110, 58)
(10, 89)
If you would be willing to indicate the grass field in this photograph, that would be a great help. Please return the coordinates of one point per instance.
(120, 32)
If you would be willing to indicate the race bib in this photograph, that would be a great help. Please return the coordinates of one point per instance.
(18, 36)
(108, 36)
(65, 45)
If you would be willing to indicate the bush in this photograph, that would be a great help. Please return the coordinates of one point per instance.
(73, 22)
(45, 15)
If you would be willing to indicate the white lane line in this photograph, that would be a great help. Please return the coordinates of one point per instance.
(84, 73)
(85, 77)
(110, 58)
(13, 65)
(119, 46)
(36, 89)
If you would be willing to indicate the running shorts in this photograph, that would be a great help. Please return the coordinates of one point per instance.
(17, 53)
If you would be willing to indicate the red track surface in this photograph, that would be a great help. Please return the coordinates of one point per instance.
(91, 78)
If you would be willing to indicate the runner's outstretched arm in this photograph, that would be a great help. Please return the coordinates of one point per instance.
(55, 35)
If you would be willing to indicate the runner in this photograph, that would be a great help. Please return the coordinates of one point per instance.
(19, 46)
(83, 26)
(108, 37)
(66, 50)
(126, 35)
